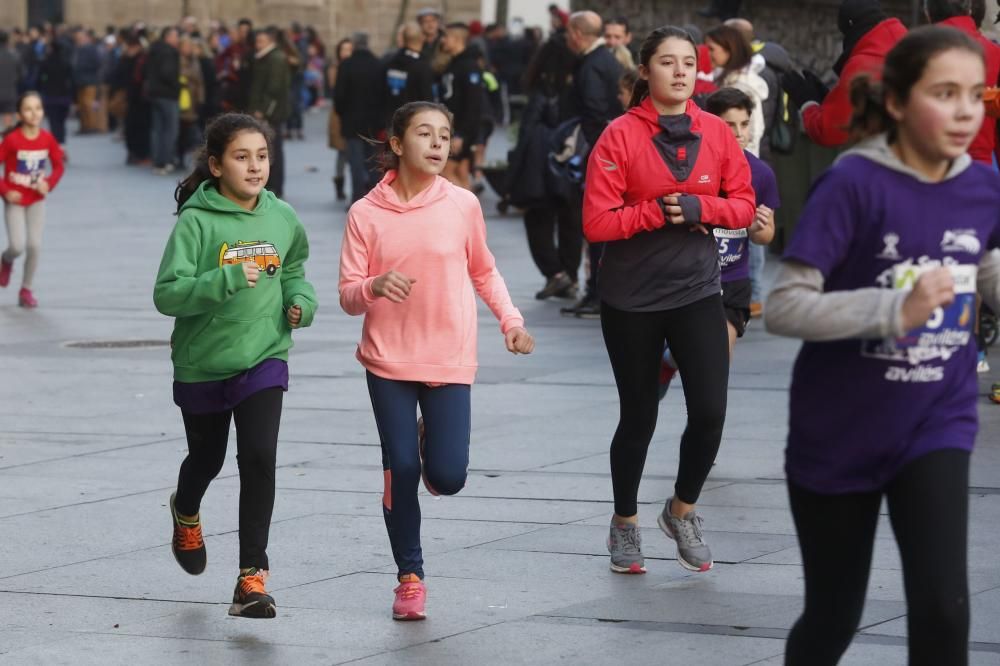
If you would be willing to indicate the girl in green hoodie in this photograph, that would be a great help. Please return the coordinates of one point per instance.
(233, 276)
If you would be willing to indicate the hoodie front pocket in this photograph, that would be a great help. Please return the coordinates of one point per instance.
(232, 345)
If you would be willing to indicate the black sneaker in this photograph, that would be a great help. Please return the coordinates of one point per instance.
(589, 310)
(250, 599)
(556, 284)
(573, 309)
(188, 545)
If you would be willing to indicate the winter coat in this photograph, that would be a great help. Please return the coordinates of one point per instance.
(826, 123)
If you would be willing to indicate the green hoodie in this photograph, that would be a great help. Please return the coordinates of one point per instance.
(223, 327)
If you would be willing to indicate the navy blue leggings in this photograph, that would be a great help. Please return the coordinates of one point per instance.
(447, 413)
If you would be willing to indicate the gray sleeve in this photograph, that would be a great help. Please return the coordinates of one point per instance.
(988, 279)
(798, 307)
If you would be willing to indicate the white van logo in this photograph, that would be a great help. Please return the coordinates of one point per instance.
(961, 240)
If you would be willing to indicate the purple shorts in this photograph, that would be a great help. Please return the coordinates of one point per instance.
(223, 395)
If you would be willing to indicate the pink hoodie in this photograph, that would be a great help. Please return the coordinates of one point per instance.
(439, 239)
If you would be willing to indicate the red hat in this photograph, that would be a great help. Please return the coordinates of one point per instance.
(475, 28)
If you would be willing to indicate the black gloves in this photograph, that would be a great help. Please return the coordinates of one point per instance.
(804, 87)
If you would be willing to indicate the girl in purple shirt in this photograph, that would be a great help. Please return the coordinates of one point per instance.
(880, 282)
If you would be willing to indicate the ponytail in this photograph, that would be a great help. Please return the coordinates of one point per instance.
(187, 187)
(218, 134)
(640, 91)
(869, 116)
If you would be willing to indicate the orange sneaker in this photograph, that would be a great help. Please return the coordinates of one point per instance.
(188, 545)
(250, 599)
(411, 597)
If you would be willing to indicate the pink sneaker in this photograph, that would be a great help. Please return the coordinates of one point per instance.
(26, 299)
(421, 445)
(5, 268)
(411, 595)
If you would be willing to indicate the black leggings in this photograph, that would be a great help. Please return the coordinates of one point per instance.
(257, 421)
(541, 224)
(699, 342)
(929, 511)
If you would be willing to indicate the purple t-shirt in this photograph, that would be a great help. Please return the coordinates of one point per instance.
(734, 244)
(224, 394)
(861, 409)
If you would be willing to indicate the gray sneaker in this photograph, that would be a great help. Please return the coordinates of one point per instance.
(692, 551)
(625, 546)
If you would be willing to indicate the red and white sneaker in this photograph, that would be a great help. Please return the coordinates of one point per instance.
(411, 597)
(5, 269)
(26, 299)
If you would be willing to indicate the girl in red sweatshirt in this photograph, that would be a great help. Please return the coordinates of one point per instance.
(658, 179)
(26, 153)
(414, 256)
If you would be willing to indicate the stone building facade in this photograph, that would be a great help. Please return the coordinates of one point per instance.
(806, 28)
(333, 19)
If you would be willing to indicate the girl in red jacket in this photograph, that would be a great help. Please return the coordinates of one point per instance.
(26, 153)
(659, 177)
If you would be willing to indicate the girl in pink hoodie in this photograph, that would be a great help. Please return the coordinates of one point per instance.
(414, 256)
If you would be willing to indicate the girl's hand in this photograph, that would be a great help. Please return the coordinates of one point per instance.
(675, 214)
(933, 289)
(394, 286)
(294, 315)
(762, 229)
(13, 197)
(763, 218)
(519, 341)
(42, 186)
(251, 272)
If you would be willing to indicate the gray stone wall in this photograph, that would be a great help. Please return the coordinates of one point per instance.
(806, 28)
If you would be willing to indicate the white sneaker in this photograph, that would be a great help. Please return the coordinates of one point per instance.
(983, 366)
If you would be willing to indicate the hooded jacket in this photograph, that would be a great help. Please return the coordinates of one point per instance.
(223, 327)
(826, 123)
(437, 238)
(640, 158)
(984, 144)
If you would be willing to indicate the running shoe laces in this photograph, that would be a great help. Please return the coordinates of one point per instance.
(188, 538)
(631, 540)
(252, 582)
(690, 530)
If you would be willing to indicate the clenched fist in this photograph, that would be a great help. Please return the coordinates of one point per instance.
(519, 341)
(933, 289)
(394, 286)
(251, 272)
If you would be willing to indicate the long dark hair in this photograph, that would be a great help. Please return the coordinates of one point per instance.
(388, 160)
(736, 45)
(904, 66)
(17, 107)
(219, 133)
(646, 52)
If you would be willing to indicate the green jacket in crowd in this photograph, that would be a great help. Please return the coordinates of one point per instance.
(270, 88)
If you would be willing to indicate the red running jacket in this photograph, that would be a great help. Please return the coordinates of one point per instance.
(626, 175)
(648, 265)
(826, 123)
(984, 144)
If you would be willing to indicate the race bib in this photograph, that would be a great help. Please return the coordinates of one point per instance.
(732, 246)
(948, 330)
